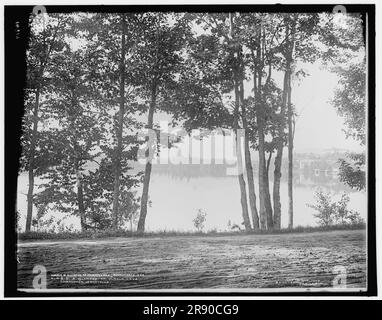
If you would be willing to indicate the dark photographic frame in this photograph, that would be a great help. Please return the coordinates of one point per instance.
(16, 36)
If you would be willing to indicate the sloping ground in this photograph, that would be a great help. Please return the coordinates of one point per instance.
(304, 260)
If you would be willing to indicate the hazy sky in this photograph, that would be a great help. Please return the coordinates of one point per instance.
(318, 125)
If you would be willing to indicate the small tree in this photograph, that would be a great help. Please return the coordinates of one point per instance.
(200, 220)
(330, 212)
(325, 208)
(343, 215)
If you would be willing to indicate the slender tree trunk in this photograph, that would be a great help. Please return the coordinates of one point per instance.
(34, 133)
(268, 203)
(146, 179)
(276, 189)
(268, 195)
(278, 158)
(266, 218)
(243, 191)
(269, 161)
(262, 195)
(31, 162)
(290, 127)
(118, 153)
(243, 199)
(263, 211)
(248, 166)
(290, 157)
(80, 197)
(251, 185)
(262, 215)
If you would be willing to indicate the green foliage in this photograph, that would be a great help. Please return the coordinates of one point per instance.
(331, 212)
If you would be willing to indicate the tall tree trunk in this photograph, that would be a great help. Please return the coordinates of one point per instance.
(248, 165)
(251, 185)
(262, 191)
(290, 157)
(243, 194)
(146, 179)
(34, 132)
(31, 162)
(269, 161)
(266, 216)
(278, 158)
(80, 196)
(262, 216)
(243, 191)
(118, 153)
(290, 126)
(268, 203)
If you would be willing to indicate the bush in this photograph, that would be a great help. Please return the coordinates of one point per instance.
(352, 171)
(331, 212)
(200, 220)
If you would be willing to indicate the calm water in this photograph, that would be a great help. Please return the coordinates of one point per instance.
(176, 199)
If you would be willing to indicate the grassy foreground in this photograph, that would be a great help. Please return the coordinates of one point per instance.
(123, 233)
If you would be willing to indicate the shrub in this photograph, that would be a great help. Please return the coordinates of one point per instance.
(331, 212)
(199, 220)
(352, 171)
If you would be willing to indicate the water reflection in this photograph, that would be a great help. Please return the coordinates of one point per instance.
(306, 174)
(178, 191)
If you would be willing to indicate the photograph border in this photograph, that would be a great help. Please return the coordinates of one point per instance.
(16, 32)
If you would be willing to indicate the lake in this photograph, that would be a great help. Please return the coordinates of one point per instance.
(177, 197)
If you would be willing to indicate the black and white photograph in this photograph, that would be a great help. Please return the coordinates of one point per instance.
(181, 149)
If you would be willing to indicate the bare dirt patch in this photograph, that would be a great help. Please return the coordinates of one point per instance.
(303, 260)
